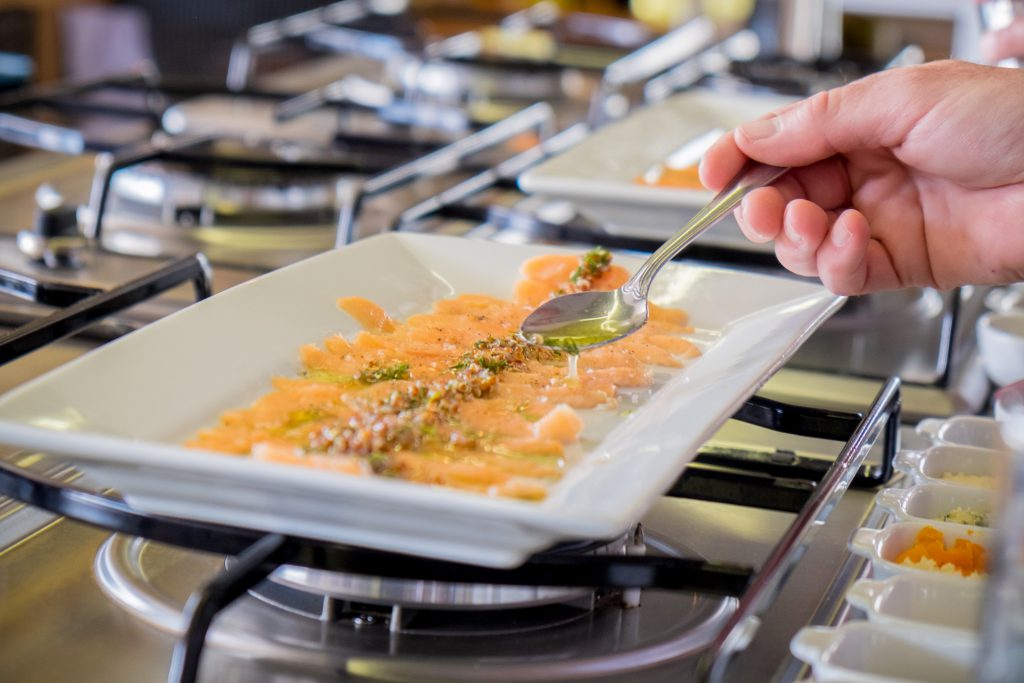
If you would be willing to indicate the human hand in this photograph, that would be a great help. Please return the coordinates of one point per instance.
(1005, 43)
(909, 177)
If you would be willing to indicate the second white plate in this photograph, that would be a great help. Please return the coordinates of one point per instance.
(599, 175)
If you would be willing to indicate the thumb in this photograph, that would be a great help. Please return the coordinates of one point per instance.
(873, 112)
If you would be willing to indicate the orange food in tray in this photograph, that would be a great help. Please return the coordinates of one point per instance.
(686, 178)
(930, 552)
(454, 396)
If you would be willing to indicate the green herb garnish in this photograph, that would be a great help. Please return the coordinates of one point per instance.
(376, 373)
(592, 265)
(380, 463)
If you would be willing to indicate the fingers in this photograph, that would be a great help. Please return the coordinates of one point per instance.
(805, 226)
(721, 163)
(871, 113)
(842, 258)
(834, 246)
(760, 214)
(1005, 43)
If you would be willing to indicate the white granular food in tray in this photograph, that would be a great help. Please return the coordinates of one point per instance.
(975, 480)
(930, 565)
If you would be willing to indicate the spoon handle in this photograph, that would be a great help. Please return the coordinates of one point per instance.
(752, 176)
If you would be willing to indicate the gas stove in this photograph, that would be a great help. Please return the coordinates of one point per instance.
(401, 129)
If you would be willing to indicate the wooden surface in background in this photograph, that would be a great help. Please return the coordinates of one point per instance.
(47, 39)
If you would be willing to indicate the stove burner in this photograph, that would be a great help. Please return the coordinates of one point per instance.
(242, 215)
(326, 586)
(505, 620)
(574, 640)
(255, 118)
(177, 196)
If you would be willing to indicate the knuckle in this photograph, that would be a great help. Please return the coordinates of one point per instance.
(823, 104)
(794, 260)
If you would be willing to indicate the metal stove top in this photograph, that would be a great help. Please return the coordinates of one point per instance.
(113, 605)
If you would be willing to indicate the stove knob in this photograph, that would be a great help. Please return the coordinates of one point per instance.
(55, 239)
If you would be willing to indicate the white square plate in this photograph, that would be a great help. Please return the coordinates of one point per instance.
(124, 410)
(598, 175)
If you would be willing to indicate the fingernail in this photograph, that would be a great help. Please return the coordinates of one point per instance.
(761, 129)
(791, 233)
(738, 213)
(840, 233)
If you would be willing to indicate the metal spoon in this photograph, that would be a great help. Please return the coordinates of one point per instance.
(587, 319)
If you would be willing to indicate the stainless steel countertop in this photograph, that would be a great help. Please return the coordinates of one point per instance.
(57, 626)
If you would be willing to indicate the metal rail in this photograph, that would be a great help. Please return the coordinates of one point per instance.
(539, 117)
(745, 621)
(99, 305)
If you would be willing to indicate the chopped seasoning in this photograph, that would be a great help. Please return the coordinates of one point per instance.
(380, 463)
(454, 396)
(422, 412)
(389, 373)
(593, 264)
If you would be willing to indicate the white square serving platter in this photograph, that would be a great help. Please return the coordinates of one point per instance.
(598, 175)
(124, 410)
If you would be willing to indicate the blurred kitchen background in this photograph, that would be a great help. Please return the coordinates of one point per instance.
(46, 40)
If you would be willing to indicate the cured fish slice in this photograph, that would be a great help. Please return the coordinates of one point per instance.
(531, 445)
(314, 359)
(574, 396)
(491, 417)
(286, 454)
(556, 270)
(677, 346)
(650, 354)
(366, 341)
(612, 278)
(337, 345)
(532, 293)
(473, 470)
(368, 314)
(553, 269)
(561, 424)
(674, 316)
(230, 439)
(470, 303)
(522, 488)
(620, 376)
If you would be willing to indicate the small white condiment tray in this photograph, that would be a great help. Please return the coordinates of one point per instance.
(883, 546)
(931, 502)
(928, 604)
(963, 430)
(864, 652)
(930, 465)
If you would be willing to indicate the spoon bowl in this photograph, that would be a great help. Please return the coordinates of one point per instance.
(586, 319)
(574, 322)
